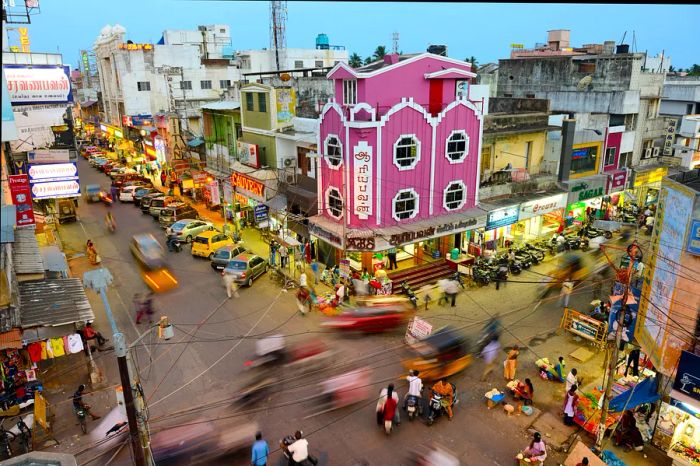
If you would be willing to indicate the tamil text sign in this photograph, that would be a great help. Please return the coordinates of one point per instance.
(56, 189)
(39, 84)
(53, 172)
(362, 178)
(617, 181)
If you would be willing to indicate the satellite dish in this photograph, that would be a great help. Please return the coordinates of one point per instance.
(584, 83)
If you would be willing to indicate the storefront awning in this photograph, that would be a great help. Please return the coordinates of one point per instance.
(54, 260)
(217, 173)
(278, 204)
(25, 253)
(88, 103)
(196, 142)
(53, 302)
(643, 392)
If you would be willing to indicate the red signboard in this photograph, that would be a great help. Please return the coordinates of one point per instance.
(22, 199)
(617, 181)
(241, 181)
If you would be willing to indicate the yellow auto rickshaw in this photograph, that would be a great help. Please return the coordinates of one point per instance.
(441, 354)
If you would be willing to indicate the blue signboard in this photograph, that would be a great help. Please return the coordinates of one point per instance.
(502, 217)
(261, 212)
(694, 237)
(688, 375)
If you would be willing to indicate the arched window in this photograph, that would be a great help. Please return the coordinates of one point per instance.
(457, 146)
(333, 151)
(455, 195)
(405, 204)
(406, 151)
(334, 202)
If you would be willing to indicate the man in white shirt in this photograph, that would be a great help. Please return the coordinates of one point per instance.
(303, 281)
(300, 448)
(340, 293)
(415, 387)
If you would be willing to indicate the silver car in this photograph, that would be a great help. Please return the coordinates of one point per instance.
(188, 228)
(246, 267)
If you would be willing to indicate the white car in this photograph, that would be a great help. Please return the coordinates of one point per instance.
(127, 193)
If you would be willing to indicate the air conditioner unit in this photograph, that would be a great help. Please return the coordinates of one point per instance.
(647, 152)
(656, 151)
(290, 162)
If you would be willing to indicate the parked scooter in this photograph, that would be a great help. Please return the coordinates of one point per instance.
(535, 251)
(436, 405)
(413, 407)
(408, 291)
(81, 414)
(174, 244)
(23, 431)
(458, 278)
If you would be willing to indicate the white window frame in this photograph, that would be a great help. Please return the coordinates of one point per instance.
(447, 189)
(143, 86)
(328, 202)
(415, 161)
(396, 198)
(325, 151)
(466, 147)
(204, 83)
(186, 85)
(349, 91)
(607, 152)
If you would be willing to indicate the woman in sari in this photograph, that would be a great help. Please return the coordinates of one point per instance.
(92, 253)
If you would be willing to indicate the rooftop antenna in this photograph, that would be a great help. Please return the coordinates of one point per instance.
(622, 41)
(278, 25)
(395, 38)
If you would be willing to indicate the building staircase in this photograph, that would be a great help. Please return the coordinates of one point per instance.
(424, 274)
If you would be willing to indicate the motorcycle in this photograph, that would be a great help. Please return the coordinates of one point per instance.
(437, 407)
(537, 252)
(408, 291)
(174, 245)
(23, 431)
(81, 414)
(458, 278)
(284, 445)
(524, 258)
(413, 406)
(111, 224)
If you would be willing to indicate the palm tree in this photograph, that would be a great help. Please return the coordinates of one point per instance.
(473, 61)
(379, 53)
(694, 70)
(368, 60)
(355, 60)
(671, 69)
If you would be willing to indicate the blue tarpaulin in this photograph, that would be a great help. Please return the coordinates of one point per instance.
(644, 392)
(196, 142)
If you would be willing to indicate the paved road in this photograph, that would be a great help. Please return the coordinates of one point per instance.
(178, 375)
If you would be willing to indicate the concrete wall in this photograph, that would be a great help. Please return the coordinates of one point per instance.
(517, 105)
(513, 148)
(687, 91)
(253, 61)
(267, 147)
(622, 102)
(256, 118)
(675, 107)
(312, 93)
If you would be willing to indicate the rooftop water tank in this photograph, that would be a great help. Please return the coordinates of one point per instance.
(322, 42)
(623, 48)
(438, 50)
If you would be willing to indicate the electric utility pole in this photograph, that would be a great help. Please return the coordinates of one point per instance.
(98, 280)
(632, 252)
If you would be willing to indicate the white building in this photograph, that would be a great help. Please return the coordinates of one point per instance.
(258, 61)
(681, 96)
(183, 71)
(658, 64)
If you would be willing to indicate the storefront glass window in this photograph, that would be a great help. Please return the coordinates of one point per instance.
(584, 159)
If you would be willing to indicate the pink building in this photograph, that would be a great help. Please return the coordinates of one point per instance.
(400, 151)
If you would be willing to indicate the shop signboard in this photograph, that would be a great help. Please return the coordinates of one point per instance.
(630, 316)
(248, 154)
(22, 200)
(687, 379)
(694, 237)
(214, 194)
(228, 194)
(327, 236)
(199, 178)
(670, 137)
(589, 188)
(159, 145)
(344, 268)
(9, 127)
(650, 176)
(617, 181)
(418, 329)
(38, 84)
(56, 189)
(53, 172)
(408, 237)
(48, 156)
(362, 178)
(542, 206)
(502, 217)
(135, 47)
(261, 212)
(246, 183)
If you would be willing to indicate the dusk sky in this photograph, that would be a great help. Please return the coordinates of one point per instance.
(484, 31)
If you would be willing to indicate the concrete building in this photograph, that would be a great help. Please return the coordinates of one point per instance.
(322, 56)
(681, 96)
(183, 71)
(686, 149)
(607, 93)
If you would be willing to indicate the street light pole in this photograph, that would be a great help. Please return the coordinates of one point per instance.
(612, 363)
(98, 280)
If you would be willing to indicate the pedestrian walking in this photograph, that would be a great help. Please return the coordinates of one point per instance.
(571, 379)
(260, 451)
(230, 285)
(144, 306)
(566, 288)
(315, 269)
(114, 191)
(511, 363)
(391, 254)
(452, 289)
(284, 256)
(273, 253)
(633, 360)
(307, 252)
(163, 178)
(425, 291)
(570, 404)
(489, 354)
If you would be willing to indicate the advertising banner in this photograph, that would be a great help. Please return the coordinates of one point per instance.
(286, 104)
(502, 217)
(38, 84)
(587, 188)
(694, 237)
(248, 154)
(53, 172)
(21, 198)
(215, 195)
(56, 189)
(617, 181)
(261, 212)
(257, 188)
(362, 179)
(48, 156)
(9, 128)
(687, 379)
(542, 206)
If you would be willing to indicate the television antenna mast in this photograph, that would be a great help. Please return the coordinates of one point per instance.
(395, 39)
(278, 35)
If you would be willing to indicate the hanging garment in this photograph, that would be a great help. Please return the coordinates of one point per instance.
(35, 351)
(57, 347)
(75, 344)
(49, 349)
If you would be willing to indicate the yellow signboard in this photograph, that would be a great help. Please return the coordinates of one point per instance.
(40, 410)
(652, 176)
(136, 46)
(517, 46)
(24, 39)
